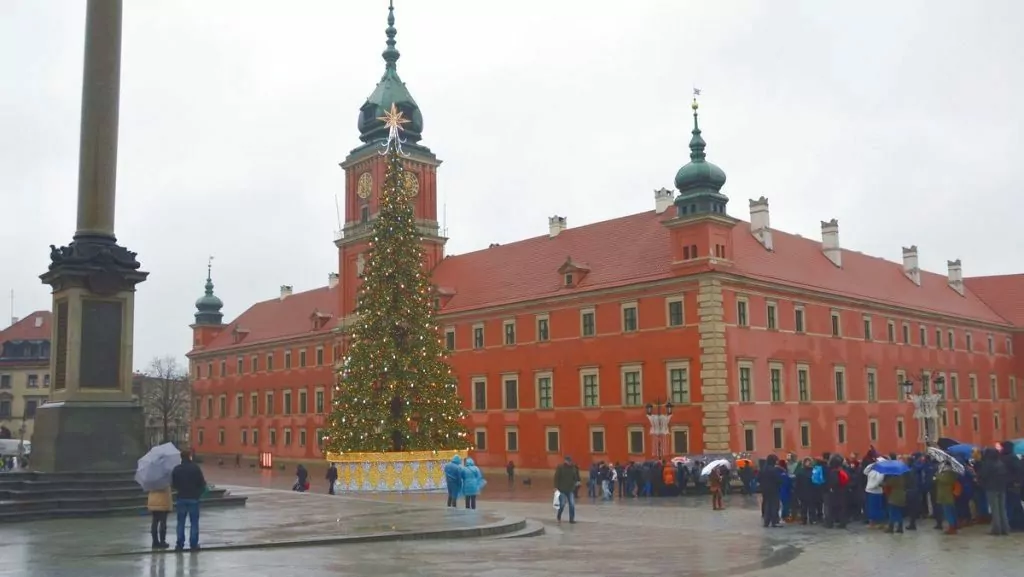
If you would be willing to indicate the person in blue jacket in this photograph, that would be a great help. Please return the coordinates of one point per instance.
(453, 479)
(472, 483)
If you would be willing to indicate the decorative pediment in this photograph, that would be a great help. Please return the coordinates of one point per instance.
(443, 295)
(319, 320)
(572, 272)
(238, 334)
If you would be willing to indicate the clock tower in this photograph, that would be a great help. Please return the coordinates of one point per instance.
(364, 174)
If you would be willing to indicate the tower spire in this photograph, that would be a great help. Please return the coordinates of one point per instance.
(209, 277)
(391, 53)
(209, 305)
(697, 143)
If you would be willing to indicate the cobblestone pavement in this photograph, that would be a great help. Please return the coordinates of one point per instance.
(678, 537)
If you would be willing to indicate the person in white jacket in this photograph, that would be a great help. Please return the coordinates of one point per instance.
(875, 503)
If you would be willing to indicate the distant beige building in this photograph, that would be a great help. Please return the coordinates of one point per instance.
(24, 372)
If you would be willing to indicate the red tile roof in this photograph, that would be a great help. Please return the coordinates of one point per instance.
(28, 328)
(1003, 293)
(637, 248)
(280, 318)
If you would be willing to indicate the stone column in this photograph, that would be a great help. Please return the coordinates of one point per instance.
(92, 422)
(713, 366)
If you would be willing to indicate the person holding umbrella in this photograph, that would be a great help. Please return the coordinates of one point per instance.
(153, 474)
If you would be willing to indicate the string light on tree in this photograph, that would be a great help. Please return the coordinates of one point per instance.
(395, 390)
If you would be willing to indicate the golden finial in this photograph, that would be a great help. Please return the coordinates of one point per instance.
(696, 93)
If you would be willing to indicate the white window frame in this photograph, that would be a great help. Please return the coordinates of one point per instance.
(473, 396)
(777, 366)
(595, 372)
(749, 365)
(629, 440)
(868, 323)
(547, 445)
(771, 312)
(954, 386)
(901, 427)
(684, 366)
(871, 382)
(841, 427)
(890, 331)
(536, 388)
(744, 319)
(872, 430)
(511, 431)
(806, 368)
(592, 311)
(801, 312)
(505, 334)
(536, 328)
(781, 428)
(807, 425)
(835, 324)
(476, 437)
(505, 379)
(636, 316)
(483, 336)
(752, 427)
(681, 299)
(836, 370)
(632, 368)
(449, 332)
(672, 439)
(322, 392)
(604, 440)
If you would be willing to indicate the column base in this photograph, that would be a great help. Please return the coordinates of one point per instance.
(83, 436)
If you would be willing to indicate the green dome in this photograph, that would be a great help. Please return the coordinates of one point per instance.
(209, 303)
(699, 174)
(208, 306)
(390, 90)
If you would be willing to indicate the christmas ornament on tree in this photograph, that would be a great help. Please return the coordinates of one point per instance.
(395, 390)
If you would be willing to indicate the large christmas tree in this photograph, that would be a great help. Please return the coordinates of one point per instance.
(396, 391)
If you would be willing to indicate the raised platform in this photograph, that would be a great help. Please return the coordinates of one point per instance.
(392, 472)
(31, 496)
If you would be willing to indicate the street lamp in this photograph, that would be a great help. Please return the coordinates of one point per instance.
(659, 422)
(926, 403)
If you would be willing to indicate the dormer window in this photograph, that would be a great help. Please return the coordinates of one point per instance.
(239, 334)
(572, 273)
(568, 279)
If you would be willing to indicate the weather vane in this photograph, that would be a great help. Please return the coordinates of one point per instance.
(209, 265)
(696, 93)
(393, 120)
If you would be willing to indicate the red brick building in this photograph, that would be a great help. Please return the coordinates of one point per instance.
(761, 340)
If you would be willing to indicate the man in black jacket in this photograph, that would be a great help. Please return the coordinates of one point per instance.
(770, 481)
(188, 481)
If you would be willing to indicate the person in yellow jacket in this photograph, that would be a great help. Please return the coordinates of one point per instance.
(159, 505)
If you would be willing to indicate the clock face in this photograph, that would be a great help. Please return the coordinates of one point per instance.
(411, 184)
(364, 188)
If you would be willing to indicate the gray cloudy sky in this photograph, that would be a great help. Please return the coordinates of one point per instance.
(901, 119)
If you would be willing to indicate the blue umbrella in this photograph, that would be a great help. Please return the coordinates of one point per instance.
(963, 451)
(1018, 446)
(891, 467)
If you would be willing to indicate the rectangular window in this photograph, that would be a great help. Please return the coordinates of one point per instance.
(777, 436)
(635, 436)
(270, 362)
(542, 328)
(220, 436)
(479, 395)
(269, 408)
(552, 440)
(969, 341)
(840, 382)
(511, 439)
(209, 407)
(748, 439)
(906, 334)
(597, 440)
(480, 437)
(873, 430)
(956, 417)
(991, 345)
(239, 365)
(679, 383)
(1013, 388)
(545, 392)
(588, 326)
(302, 437)
(511, 386)
(951, 340)
(200, 435)
(775, 372)
(954, 385)
(478, 337)
(835, 324)
(938, 338)
(631, 387)
(945, 418)
(449, 339)
(973, 383)
(772, 320)
(803, 378)
(798, 317)
(287, 360)
(256, 437)
(509, 328)
(239, 405)
(222, 406)
(272, 437)
(255, 364)
(629, 318)
(805, 435)
(680, 440)
(6, 382)
(974, 423)
(254, 404)
(741, 313)
(303, 402)
(302, 359)
(1008, 343)
(923, 335)
(899, 428)
(5, 409)
(872, 383)
(209, 371)
(287, 402)
(841, 433)
(891, 328)
(675, 312)
(318, 399)
(319, 356)
(993, 386)
(746, 387)
(867, 328)
(591, 390)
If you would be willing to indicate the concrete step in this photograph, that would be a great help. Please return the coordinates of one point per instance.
(82, 484)
(101, 511)
(136, 498)
(532, 529)
(33, 493)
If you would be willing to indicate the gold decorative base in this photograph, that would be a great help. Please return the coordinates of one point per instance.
(387, 472)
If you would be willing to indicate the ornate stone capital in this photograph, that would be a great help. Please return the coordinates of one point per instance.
(96, 263)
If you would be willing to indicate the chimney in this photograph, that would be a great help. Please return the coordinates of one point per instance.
(760, 226)
(14, 321)
(910, 267)
(830, 242)
(662, 200)
(38, 322)
(956, 276)
(332, 280)
(286, 291)
(556, 224)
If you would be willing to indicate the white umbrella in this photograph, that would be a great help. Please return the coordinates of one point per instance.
(712, 466)
(944, 457)
(155, 467)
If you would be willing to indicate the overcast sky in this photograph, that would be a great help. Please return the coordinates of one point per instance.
(901, 119)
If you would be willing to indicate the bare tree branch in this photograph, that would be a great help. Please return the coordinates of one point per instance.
(166, 394)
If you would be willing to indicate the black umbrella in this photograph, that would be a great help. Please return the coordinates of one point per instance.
(945, 443)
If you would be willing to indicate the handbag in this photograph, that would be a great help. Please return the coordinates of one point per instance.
(558, 499)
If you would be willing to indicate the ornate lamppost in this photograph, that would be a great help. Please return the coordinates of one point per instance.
(926, 402)
(659, 423)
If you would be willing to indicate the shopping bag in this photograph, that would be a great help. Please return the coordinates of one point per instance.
(558, 499)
